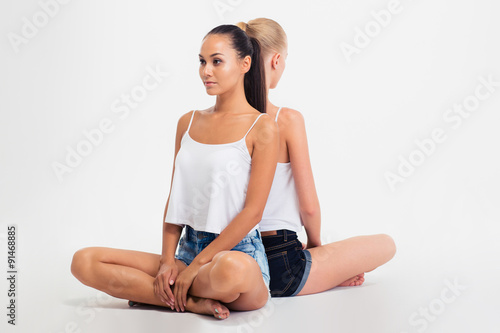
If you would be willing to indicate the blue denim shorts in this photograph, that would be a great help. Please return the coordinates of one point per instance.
(193, 242)
(289, 265)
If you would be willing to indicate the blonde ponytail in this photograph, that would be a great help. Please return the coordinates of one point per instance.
(269, 33)
(242, 26)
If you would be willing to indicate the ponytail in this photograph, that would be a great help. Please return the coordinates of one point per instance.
(255, 79)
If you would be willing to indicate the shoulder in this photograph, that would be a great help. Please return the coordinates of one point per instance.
(266, 123)
(183, 123)
(290, 116)
(186, 117)
(265, 128)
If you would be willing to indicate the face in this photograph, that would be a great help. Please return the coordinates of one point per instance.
(220, 68)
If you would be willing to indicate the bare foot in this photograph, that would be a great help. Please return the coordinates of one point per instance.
(354, 281)
(199, 305)
(207, 306)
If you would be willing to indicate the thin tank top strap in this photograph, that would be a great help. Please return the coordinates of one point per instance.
(277, 113)
(192, 116)
(254, 124)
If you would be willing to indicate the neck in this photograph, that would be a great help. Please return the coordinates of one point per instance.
(270, 107)
(232, 101)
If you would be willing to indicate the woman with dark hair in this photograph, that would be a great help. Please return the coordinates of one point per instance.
(224, 163)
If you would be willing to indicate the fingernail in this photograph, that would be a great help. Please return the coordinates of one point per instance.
(216, 310)
(220, 317)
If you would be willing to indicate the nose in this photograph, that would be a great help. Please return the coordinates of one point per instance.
(207, 70)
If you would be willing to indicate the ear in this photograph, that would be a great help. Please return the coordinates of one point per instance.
(246, 63)
(275, 60)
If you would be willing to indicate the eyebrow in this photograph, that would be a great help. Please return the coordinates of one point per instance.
(212, 55)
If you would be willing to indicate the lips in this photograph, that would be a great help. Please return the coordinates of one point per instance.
(209, 83)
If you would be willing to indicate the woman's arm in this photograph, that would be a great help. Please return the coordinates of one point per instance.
(294, 130)
(167, 270)
(172, 232)
(264, 161)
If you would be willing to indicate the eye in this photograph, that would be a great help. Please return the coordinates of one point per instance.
(217, 61)
(202, 62)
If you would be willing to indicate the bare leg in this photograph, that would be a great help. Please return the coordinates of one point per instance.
(341, 262)
(234, 278)
(130, 275)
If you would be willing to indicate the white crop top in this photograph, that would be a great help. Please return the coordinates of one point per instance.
(282, 207)
(210, 183)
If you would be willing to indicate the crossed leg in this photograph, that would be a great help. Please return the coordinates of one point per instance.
(234, 278)
(344, 263)
(130, 275)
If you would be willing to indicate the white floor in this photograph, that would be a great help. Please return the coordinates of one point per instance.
(431, 293)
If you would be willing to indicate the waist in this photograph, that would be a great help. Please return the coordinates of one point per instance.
(207, 237)
(280, 240)
(279, 233)
(269, 233)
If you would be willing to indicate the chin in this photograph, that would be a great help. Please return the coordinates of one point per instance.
(211, 92)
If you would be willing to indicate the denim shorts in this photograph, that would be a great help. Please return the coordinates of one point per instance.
(289, 265)
(193, 242)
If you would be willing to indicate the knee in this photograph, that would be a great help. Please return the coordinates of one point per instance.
(232, 264)
(82, 263)
(230, 269)
(389, 246)
(260, 301)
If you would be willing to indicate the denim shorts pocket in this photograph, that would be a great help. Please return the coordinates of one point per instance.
(186, 250)
(281, 274)
(245, 247)
(270, 247)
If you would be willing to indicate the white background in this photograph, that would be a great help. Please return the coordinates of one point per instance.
(362, 115)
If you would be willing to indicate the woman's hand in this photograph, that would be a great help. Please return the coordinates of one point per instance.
(165, 278)
(182, 285)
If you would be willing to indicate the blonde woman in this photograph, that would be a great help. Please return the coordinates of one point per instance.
(298, 269)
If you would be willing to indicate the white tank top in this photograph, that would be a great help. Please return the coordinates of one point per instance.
(210, 183)
(282, 207)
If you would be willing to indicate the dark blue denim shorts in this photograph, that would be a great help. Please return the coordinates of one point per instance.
(193, 242)
(289, 265)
